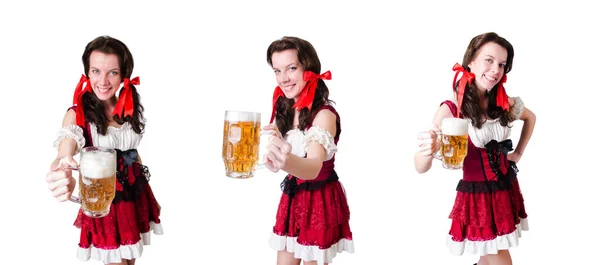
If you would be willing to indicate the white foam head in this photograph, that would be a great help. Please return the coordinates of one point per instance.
(232, 115)
(455, 126)
(97, 164)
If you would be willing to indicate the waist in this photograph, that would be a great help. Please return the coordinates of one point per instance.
(290, 184)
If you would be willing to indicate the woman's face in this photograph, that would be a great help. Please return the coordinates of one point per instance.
(289, 73)
(104, 74)
(488, 65)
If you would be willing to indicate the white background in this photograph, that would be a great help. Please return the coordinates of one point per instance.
(391, 67)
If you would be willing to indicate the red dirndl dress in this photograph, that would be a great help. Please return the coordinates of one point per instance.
(133, 213)
(313, 216)
(488, 213)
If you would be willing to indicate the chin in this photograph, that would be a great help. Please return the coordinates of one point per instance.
(291, 96)
(104, 98)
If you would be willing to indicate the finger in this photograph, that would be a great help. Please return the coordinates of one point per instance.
(71, 162)
(63, 197)
(55, 175)
(425, 149)
(279, 142)
(274, 153)
(274, 160)
(426, 135)
(58, 184)
(434, 133)
(273, 127)
(270, 126)
(270, 163)
(426, 153)
(425, 142)
(60, 191)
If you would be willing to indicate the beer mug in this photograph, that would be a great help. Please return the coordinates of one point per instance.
(241, 142)
(97, 178)
(454, 139)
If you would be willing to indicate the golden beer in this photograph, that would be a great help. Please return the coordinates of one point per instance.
(454, 142)
(97, 178)
(241, 140)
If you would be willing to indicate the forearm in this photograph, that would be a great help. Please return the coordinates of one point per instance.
(526, 132)
(422, 163)
(303, 168)
(68, 147)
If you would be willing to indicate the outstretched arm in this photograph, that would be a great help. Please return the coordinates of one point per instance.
(59, 178)
(280, 156)
(427, 141)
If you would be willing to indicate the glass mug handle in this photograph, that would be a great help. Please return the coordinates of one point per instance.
(260, 166)
(438, 155)
(75, 199)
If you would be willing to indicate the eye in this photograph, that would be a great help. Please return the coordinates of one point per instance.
(95, 71)
(502, 65)
(293, 68)
(488, 60)
(114, 73)
(277, 71)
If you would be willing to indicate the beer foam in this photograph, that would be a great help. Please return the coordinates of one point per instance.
(455, 126)
(231, 115)
(96, 165)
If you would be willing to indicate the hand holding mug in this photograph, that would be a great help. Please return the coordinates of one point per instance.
(427, 143)
(279, 150)
(60, 179)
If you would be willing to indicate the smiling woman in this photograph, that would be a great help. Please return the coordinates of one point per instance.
(312, 222)
(98, 118)
(489, 212)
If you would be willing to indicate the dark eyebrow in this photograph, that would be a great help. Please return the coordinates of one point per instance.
(285, 66)
(108, 70)
(493, 57)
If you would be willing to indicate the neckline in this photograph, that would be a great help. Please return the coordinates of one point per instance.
(115, 128)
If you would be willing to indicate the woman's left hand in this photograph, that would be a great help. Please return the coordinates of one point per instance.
(514, 156)
(279, 150)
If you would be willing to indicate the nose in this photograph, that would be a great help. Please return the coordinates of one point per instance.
(283, 78)
(104, 79)
(495, 68)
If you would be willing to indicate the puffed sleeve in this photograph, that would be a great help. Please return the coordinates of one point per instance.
(323, 137)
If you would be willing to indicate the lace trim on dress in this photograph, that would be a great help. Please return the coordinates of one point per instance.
(517, 108)
(323, 137)
(70, 131)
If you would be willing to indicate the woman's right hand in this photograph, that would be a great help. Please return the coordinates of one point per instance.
(60, 179)
(427, 143)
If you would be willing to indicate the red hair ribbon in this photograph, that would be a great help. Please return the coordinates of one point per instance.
(307, 95)
(77, 99)
(124, 105)
(467, 77)
(501, 97)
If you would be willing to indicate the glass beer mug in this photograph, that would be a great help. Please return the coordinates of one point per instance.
(241, 142)
(454, 141)
(97, 178)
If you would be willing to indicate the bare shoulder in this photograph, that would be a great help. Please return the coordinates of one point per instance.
(442, 112)
(326, 119)
(70, 118)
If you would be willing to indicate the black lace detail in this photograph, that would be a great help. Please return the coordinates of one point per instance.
(496, 151)
(127, 167)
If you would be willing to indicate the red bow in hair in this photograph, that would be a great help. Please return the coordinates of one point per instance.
(124, 105)
(467, 77)
(501, 97)
(78, 97)
(307, 95)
